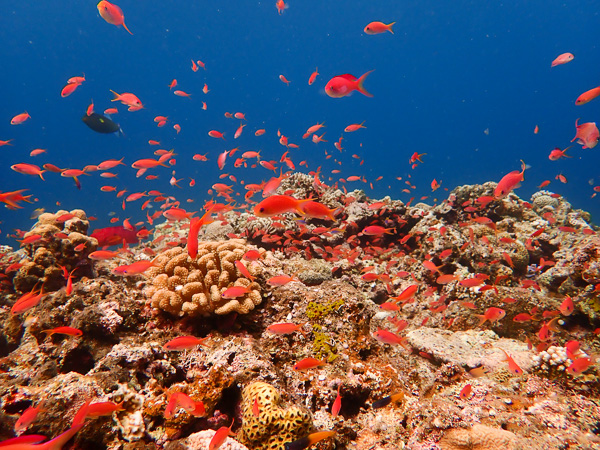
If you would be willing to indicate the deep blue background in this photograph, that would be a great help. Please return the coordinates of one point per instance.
(450, 71)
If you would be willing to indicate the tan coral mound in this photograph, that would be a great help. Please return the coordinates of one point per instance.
(274, 426)
(182, 286)
(479, 437)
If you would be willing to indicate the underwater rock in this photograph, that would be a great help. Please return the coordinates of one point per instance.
(480, 437)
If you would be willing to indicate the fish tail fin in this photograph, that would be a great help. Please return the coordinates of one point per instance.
(481, 318)
(125, 26)
(360, 86)
(40, 174)
(389, 27)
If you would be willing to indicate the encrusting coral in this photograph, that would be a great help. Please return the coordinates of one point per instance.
(274, 426)
(479, 437)
(182, 286)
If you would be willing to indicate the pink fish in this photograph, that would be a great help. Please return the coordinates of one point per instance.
(562, 59)
(343, 85)
(587, 134)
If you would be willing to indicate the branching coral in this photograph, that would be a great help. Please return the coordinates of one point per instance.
(181, 285)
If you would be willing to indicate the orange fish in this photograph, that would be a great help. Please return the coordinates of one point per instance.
(184, 343)
(316, 210)
(216, 134)
(465, 392)
(308, 441)
(100, 409)
(492, 314)
(219, 437)
(378, 27)
(354, 127)
(284, 79)
(26, 419)
(308, 363)
(579, 366)
(20, 118)
(588, 96)
(135, 268)
(343, 85)
(562, 59)
(512, 365)
(557, 153)
(281, 6)
(567, 307)
(313, 76)
(387, 337)
(128, 99)
(69, 89)
(587, 134)
(509, 182)
(112, 14)
(284, 328)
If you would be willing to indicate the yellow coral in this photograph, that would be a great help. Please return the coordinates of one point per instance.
(274, 426)
(184, 286)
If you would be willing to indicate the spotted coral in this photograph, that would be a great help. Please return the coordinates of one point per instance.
(182, 286)
(274, 426)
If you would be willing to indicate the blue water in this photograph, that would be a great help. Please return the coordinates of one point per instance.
(450, 71)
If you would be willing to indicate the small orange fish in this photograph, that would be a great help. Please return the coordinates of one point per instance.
(587, 134)
(219, 437)
(465, 392)
(354, 127)
(567, 307)
(284, 79)
(284, 328)
(579, 366)
(512, 365)
(26, 419)
(308, 441)
(378, 27)
(337, 403)
(492, 314)
(112, 14)
(313, 76)
(383, 402)
(184, 343)
(69, 331)
(103, 409)
(278, 204)
(308, 363)
(135, 268)
(557, 153)
(20, 118)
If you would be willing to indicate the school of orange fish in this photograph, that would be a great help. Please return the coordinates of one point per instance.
(273, 205)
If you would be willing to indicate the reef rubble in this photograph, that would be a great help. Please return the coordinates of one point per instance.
(468, 324)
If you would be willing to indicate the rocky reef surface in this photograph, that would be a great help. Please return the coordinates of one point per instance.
(471, 324)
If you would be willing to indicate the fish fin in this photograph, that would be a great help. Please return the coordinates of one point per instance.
(125, 26)
(481, 318)
(360, 86)
(389, 27)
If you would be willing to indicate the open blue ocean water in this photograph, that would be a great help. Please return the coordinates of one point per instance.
(465, 82)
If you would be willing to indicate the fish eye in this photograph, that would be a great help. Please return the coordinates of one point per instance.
(261, 209)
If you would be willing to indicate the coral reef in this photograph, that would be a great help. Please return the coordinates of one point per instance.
(438, 326)
(181, 285)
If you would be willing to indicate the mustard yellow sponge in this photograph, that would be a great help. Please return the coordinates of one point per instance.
(274, 426)
(182, 286)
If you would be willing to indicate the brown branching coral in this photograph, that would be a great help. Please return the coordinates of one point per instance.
(182, 286)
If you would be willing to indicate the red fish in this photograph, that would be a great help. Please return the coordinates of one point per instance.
(128, 99)
(313, 76)
(278, 204)
(579, 366)
(284, 79)
(510, 182)
(28, 169)
(587, 134)
(284, 328)
(184, 343)
(378, 27)
(112, 14)
(219, 437)
(562, 59)
(115, 235)
(69, 331)
(343, 85)
(465, 392)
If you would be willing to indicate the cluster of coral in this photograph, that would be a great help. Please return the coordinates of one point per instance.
(398, 326)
